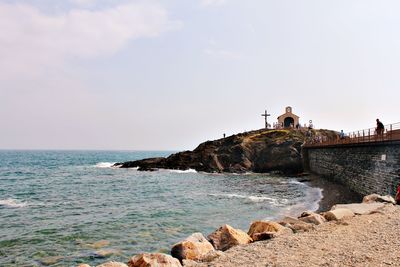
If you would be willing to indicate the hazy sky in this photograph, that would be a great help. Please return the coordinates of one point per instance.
(169, 74)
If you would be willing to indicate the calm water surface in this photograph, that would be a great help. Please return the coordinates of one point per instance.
(61, 208)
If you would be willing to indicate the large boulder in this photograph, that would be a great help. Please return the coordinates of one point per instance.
(192, 248)
(153, 260)
(360, 208)
(227, 236)
(113, 264)
(338, 214)
(296, 225)
(312, 217)
(262, 230)
(378, 198)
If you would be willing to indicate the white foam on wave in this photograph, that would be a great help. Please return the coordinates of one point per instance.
(184, 171)
(292, 182)
(241, 173)
(295, 182)
(262, 199)
(12, 203)
(255, 199)
(310, 203)
(105, 165)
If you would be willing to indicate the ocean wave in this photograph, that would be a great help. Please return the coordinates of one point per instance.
(292, 182)
(105, 165)
(12, 203)
(295, 182)
(255, 199)
(242, 173)
(309, 202)
(183, 171)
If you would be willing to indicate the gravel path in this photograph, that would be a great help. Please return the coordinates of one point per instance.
(366, 240)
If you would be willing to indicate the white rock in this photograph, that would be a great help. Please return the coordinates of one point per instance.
(361, 208)
(338, 214)
(378, 198)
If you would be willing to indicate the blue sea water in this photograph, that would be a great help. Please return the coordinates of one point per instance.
(62, 208)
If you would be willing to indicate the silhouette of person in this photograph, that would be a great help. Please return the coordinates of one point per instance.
(379, 127)
(341, 135)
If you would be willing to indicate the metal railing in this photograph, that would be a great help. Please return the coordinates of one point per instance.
(391, 132)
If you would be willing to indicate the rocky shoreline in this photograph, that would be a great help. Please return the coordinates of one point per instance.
(358, 234)
(260, 151)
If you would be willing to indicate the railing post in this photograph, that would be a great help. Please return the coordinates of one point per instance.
(369, 135)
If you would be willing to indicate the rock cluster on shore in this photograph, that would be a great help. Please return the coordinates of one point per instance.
(256, 151)
(196, 250)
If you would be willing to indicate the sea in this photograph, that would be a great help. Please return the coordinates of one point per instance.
(62, 208)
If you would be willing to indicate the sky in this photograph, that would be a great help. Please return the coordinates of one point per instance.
(170, 74)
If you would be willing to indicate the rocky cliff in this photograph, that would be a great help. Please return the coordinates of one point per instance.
(256, 151)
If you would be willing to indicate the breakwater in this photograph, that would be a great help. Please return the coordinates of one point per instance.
(364, 168)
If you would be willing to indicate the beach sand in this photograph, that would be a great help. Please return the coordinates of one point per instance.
(364, 240)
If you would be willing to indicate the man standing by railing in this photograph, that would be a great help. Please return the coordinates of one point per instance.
(379, 127)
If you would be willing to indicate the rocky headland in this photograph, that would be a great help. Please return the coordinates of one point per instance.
(257, 151)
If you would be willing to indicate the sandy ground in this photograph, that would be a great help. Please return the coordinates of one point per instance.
(364, 240)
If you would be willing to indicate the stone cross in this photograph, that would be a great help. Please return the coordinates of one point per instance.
(266, 115)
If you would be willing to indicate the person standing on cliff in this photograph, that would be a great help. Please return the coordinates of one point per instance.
(341, 135)
(379, 127)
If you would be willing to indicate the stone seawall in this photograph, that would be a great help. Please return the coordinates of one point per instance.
(364, 168)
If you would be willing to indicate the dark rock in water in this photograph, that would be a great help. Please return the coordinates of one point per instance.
(145, 164)
(147, 169)
(257, 151)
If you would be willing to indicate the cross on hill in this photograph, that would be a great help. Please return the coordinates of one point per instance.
(266, 115)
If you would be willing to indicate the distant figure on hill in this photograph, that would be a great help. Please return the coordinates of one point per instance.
(379, 127)
(341, 135)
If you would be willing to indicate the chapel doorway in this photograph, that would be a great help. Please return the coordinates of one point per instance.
(288, 122)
